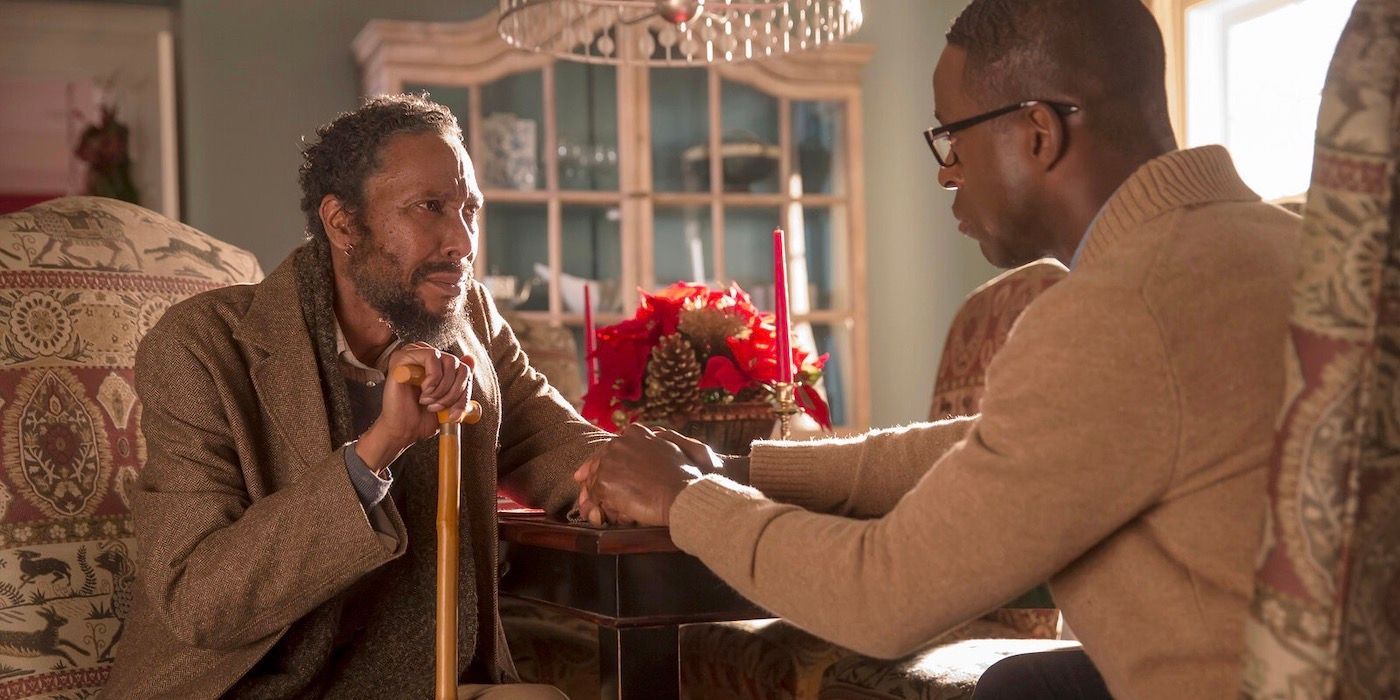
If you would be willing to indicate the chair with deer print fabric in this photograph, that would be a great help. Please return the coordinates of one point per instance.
(81, 280)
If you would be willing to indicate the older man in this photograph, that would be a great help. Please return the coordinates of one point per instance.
(1121, 448)
(286, 513)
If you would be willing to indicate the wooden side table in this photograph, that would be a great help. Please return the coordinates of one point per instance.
(631, 582)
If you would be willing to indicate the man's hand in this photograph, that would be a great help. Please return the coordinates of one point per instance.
(409, 413)
(636, 479)
(733, 467)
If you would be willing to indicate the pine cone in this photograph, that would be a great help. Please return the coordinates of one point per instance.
(673, 379)
(708, 329)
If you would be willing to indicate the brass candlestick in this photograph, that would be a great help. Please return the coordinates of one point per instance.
(785, 405)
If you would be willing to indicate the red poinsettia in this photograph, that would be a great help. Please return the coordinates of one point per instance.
(735, 345)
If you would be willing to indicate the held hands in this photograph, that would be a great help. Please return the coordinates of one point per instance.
(409, 413)
(638, 476)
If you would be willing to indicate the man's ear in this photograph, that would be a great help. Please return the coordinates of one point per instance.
(1049, 138)
(337, 221)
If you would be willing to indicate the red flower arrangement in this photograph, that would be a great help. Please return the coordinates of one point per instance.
(687, 347)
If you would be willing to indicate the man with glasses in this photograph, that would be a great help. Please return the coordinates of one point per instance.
(1126, 425)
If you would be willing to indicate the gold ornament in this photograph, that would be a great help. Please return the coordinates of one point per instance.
(709, 329)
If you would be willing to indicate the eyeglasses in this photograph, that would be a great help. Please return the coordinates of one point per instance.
(940, 138)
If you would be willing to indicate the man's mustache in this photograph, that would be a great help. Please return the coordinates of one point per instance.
(432, 268)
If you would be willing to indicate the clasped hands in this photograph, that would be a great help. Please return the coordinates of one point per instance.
(638, 475)
(408, 413)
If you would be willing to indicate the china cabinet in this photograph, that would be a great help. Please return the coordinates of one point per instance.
(607, 176)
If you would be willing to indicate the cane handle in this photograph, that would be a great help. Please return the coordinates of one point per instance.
(415, 374)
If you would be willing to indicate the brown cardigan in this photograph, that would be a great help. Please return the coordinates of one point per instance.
(1120, 454)
(247, 522)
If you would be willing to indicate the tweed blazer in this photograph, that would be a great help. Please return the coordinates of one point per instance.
(246, 519)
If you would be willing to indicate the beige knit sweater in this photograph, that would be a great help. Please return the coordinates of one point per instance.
(1120, 455)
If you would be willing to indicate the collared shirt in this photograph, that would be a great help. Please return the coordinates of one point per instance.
(1084, 240)
(370, 487)
(1079, 249)
(355, 370)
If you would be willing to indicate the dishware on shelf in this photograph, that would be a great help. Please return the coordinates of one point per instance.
(571, 290)
(745, 159)
(510, 154)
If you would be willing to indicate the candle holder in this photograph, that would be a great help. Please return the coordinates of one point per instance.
(785, 406)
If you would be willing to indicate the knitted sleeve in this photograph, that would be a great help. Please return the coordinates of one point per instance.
(862, 476)
(1078, 435)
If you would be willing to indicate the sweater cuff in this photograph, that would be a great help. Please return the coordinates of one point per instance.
(368, 486)
(817, 474)
(698, 515)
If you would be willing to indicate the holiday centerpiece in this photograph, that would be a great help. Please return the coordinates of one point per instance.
(703, 362)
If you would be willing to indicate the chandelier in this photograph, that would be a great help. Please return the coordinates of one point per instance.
(674, 32)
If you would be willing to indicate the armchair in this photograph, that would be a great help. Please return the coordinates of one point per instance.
(1325, 620)
(81, 281)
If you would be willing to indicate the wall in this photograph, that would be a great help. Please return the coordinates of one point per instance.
(256, 76)
(56, 58)
(259, 74)
(919, 266)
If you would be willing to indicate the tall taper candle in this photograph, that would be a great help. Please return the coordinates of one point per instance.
(780, 307)
(588, 336)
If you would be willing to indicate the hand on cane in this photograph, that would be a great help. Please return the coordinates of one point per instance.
(409, 413)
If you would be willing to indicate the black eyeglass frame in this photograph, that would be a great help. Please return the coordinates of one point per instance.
(934, 133)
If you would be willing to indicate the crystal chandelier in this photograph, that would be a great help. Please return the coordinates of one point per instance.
(674, 32)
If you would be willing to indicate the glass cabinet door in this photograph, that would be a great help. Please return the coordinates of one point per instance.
(748, 250)
(818, 148)
(680, 129)
(818, 248)
(781, 163)
(510, 140)
(749, 140)
(592, 253)
(516, 253)
(586, 146)
(683, 245)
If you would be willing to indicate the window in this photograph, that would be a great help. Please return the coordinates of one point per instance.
(1254, 74)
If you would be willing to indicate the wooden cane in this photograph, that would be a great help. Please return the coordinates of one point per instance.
(448, 519)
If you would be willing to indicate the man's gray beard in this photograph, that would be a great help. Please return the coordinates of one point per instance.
(398, 306)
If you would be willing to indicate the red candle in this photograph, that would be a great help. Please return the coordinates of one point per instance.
(588, 335)
(780, 306)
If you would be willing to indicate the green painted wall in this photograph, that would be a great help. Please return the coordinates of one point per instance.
(257, 75)
(919, 266)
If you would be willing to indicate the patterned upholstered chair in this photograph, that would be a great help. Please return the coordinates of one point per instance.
(979, 330)
(551, 647)
(773, 659)
(552, 351)
(81, 280)
(976, 334)
(947, 670)
(1325, 621)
